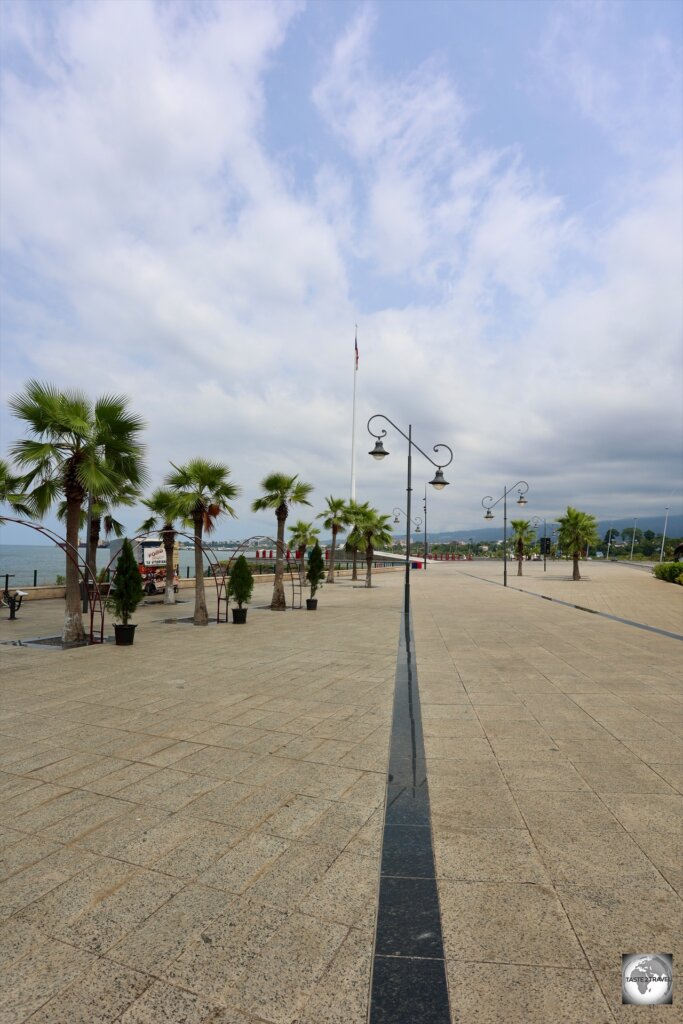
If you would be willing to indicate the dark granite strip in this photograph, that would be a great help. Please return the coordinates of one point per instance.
(409, 971)
(581, 608)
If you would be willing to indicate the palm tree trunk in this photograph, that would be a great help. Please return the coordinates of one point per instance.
(201, 615)
(330, 571)
(576, 575)
(519, 565)
(73, 621)
(278, 602)
(354, 571)
(368, 559)
(168, 537)
(93, 541)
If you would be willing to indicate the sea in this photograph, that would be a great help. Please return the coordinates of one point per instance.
(46, 562)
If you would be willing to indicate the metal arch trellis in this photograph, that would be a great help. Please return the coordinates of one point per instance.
(294, 577)
(208, 552)
(87, 578)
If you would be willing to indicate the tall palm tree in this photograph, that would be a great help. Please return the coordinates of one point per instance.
(303, 536)
(281, 491)
(355, 512)
(76, 446)
(164, 508)
(577, 530)
(523, 536)
(374, 531)
(335, 518)
(203, 491)
(13, 492)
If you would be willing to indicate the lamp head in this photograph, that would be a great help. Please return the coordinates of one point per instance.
(521, 500)
(438, 483)
(489, 514)
(396, 519)
(379, 451)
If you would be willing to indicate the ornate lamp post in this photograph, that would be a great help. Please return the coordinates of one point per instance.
(633, 538)
(438, 483)
(488, 503)
(424, 507)
(537, 520)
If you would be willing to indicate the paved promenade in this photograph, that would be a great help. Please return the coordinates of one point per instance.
(191, 829)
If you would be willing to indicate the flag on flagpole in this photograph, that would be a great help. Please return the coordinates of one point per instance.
(356, 347)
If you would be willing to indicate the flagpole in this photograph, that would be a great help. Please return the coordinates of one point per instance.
(353, 420)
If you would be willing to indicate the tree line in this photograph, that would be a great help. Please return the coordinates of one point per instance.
(78, 451)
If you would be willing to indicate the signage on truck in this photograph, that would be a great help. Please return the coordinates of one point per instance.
(154, 556)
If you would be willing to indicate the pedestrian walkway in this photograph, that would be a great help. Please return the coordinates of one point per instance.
(191, 828)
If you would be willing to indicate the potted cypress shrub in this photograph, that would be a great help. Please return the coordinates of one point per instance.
(314, 575)
(240, 586)
(125, 594)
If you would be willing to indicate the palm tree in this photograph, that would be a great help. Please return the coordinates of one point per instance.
(355, 512)
(163, 506)
(281, 491)
(303, 535)
(577, 530)
(203, 492)
(374, 531)
(335, 518)
(13, 491)
(523, 536)
(76, 447)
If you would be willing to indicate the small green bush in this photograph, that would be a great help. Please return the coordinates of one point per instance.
(316, 569)
(241, 582)
(128, 591)
(60, 580)
(671, 572)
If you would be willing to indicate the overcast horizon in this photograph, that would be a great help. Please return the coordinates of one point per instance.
(200, 201)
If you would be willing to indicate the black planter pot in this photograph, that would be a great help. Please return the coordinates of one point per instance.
(124, 634)
(311, 604)
(239, 616)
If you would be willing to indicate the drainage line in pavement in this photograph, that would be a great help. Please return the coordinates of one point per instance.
(409, 970)
(581, 608)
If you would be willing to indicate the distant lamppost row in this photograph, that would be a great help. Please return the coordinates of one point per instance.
(438, 483)
(666, 521)
(488, 503)
(424, 507)
(537, 520)
(633, 538)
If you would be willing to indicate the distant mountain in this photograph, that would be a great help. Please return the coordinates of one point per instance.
(493, 533)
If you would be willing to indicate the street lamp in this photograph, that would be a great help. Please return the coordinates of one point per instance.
(537, 520)
(633, 538)
(438, 483)
(488, 503)
(424, 507)
(666, 520)
(416, 522)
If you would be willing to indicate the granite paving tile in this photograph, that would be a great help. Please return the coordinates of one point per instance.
(293, 875)
(207, 843)
(244, 862)
(346, 893)
(487, 855)
(38, 977)
(24, 851)
(341, 994)
(525, 994)
(582, 810)
(655, 811)
(504, 922)
(97, 997)
(286, 971)
(574, 856)
(39, 878)
(213, 963)
(163, 1003)
(611, 920)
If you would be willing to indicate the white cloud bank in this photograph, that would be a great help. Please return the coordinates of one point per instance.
(153, 244)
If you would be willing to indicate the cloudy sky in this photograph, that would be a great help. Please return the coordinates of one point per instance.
(200, 200)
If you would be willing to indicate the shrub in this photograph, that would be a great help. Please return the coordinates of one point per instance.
(60, 580)
(241, 582)
(128, 592)
(669, 571)
(316, 568)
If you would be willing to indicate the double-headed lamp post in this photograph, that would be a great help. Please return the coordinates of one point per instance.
(438, 483)
(488, 503)
(537, 520)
